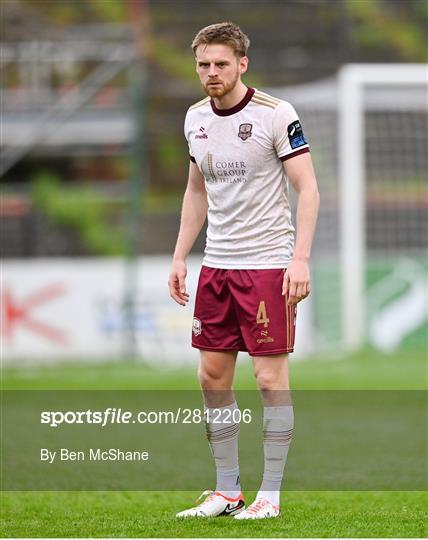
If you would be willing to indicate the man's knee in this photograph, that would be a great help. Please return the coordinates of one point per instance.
(271, 372)
(211, 376)
(266, 380)
(216, 370)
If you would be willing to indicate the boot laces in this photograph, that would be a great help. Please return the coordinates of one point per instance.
(256, 506)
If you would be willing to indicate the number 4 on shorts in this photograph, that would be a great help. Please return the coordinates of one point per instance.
(262, 317)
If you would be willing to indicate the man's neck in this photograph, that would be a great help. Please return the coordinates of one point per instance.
(232, 98)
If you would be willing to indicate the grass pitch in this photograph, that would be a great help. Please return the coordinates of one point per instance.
(367, 370)
(151, 514)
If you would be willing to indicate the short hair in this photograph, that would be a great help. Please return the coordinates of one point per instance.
(226, 33)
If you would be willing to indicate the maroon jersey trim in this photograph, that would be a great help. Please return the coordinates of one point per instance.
(236, 108)
(296, 153)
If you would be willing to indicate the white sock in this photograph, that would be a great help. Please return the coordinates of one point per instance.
(222, 432)
(278, 425)
(271, 496)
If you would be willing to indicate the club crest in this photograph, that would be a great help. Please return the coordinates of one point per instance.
(245, 131)
(197, 327)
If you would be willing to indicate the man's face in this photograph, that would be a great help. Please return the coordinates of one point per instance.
(219, 69)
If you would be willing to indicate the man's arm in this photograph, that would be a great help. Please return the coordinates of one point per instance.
(193, 214)
(301, 173)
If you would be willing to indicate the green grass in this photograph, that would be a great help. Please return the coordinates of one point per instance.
(367, 370)
(151, 514)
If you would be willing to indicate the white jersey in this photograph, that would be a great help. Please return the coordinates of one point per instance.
(240, 153)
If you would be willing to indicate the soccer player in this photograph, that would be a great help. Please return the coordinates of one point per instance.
(244, 145)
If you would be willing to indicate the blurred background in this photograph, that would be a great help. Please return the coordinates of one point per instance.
(94, 166)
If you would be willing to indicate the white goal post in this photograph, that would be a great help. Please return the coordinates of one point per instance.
(353, 79)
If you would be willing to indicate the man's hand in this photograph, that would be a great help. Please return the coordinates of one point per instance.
(177, 282)
(297, 282)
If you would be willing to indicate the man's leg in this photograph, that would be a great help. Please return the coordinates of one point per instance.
(278, 420)
(271, 373)
(216, 372)
(272, 378)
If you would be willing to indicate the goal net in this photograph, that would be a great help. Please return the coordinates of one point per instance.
(368, 135)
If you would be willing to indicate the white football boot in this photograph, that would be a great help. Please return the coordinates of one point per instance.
(214, 505)
(260, 509)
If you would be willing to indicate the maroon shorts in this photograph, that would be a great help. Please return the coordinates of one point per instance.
(243, 310)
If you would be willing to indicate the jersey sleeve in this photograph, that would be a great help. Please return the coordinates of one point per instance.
(187, 135)
(288, 137)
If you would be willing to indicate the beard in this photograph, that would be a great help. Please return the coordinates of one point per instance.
(222, 89)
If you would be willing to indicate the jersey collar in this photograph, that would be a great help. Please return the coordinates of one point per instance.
(233, 110)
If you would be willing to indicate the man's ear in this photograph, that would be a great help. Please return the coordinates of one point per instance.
(243, 64)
